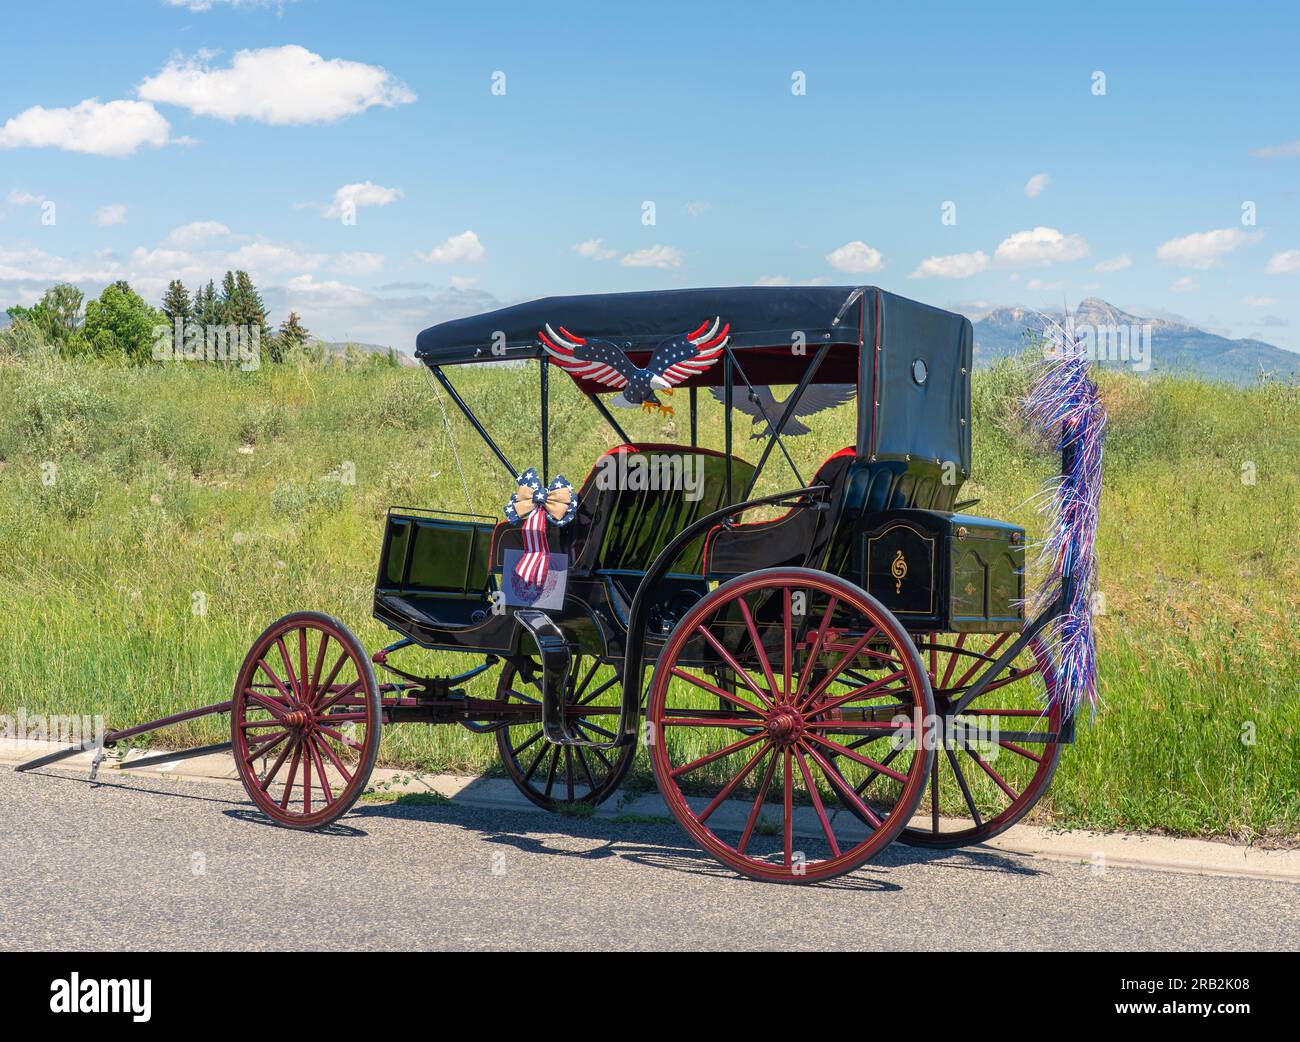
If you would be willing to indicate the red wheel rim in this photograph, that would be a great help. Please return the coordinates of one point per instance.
(304, 720)
(980, 788)
(726, 756)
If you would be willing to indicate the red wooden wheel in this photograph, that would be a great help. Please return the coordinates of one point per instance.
(305, 720)
(982, 783)
(745, 765)
(554, 776)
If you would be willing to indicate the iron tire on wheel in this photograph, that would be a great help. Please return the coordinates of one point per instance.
(555, 777)
(785, 718)
(306, 697)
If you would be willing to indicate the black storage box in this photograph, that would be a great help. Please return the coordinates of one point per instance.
(944, 572)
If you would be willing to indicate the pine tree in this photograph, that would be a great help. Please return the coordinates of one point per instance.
(176, 301)
(293, 332)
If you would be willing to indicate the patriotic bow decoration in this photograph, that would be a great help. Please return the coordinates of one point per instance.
(535, 504)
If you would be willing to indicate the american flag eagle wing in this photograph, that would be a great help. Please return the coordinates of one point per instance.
(689, 354)
(588, 359)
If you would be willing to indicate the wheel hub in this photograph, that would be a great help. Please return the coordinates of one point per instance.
(785, 725)
(298, 718)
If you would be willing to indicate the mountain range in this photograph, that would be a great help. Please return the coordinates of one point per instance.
(1174, 347)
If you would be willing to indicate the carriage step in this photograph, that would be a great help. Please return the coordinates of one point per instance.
(553, 650)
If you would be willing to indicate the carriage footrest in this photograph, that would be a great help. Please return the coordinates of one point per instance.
(553, 650)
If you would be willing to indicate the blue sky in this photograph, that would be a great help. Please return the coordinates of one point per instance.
(241, 125)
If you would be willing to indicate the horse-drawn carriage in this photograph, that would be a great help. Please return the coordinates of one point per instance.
(865, 666)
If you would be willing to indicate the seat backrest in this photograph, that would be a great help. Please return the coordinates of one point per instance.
(637, 498)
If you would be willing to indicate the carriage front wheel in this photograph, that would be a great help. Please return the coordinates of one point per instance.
(304, 721)
(759, 685)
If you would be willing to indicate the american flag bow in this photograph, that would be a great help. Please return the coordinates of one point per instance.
(534, 504)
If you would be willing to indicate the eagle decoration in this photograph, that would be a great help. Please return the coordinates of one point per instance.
(674, 361)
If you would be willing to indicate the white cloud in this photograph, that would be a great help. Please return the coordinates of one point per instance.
(1291, 148)
(1039, 247)
(1039, 284)
(264, 256)
(1113, 264)
(1186, 284)
(358, 263)
(207, 5)
(1035, 185)
(697, 208)
(463, 282)
(655, 256)
(196, 233)
(463, 247)
(24, 263)
(113, 213)
(1204, 249)
(278, 85)
(1258, 302)
(1284, 263)
(782, 280)
(953, 266)
(20, 198)
(594, 249)
(116, 128)
(354, 196)
(856, 258)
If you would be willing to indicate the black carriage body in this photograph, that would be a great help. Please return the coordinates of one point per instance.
(439, 575)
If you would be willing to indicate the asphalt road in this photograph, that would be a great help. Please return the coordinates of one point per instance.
(170, 864)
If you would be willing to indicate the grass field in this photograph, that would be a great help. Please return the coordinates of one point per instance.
(154, 520)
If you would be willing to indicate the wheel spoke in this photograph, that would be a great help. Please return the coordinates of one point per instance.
(788, 811)
(279, 684)
(314, 689)
(320, 770)
(718, 754)
(961, 784)
(952, 660)
(785, 692)
(729, 788)
(841, 786)
(302, 665)
(734, 722)
(759, 650)
(866, 761)
(265, 783)
(858, 693)
(815, 649)
(600, 690)
(736, 668)
(269, 704)
(265, 747)
(338, 764)
(550, 771)
(294, 683)
(700, 682)
(763, 786)
(989, 655)
(339, 696)
(998, 780)
(586, 769)
(537, 761)
(293, 773)
(835, 670)
(515, 750)
(1023, 752)
(817, 804)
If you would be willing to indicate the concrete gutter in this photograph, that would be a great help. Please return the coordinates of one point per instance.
(1100, 849)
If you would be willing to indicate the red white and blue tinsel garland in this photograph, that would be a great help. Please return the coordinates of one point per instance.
(1064, 407)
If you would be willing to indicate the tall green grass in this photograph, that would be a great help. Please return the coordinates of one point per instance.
(190, 505)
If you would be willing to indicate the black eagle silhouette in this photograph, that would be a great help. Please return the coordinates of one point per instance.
(676, 359)
(816, 398)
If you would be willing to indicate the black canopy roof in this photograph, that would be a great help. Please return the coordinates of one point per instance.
(760, 316)
(910, 361)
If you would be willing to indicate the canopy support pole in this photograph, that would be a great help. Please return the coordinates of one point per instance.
(609, 418)
(469, 415)
(695, 440)
(546, 426)
(774, 436)
(727, 383)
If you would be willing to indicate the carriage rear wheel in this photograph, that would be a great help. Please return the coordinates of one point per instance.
(558, 777)
(745, 768)
(994, 763)
(304, 721)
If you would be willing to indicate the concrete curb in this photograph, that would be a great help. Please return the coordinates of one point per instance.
(1100, 849)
